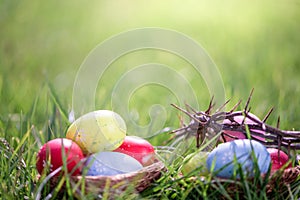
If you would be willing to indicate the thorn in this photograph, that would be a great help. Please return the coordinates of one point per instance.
(187, 107)
(190, 108)
(248, 111)
(186, 112)
(211, 105)
(176, 130)
(181, 120)
(249, 98)
(278, 122)
(222, 106)
(279, 140)
(245, 116)
(235, 106)
(268, 115)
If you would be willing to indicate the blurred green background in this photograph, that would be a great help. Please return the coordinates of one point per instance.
(254, 44)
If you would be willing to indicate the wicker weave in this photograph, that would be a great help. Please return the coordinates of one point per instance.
(282, 179)
(278, 181)
(114, 185)
(140, 179)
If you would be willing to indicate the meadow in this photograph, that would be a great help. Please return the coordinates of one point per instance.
(43, 45)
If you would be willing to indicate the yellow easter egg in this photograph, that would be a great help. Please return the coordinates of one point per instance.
(101, 130)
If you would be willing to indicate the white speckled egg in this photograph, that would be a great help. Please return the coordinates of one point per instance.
(111, 163)
(226, 157)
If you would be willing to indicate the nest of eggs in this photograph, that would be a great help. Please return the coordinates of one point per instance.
(112, 186)
(205, 125)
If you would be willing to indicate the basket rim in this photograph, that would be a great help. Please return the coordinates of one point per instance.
(156, 166)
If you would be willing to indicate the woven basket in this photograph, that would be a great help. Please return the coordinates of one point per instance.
(283, 179)
(278, 183)
(114, 185)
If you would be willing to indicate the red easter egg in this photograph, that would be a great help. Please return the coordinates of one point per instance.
(138, 148)
(55, 151)
(278, 160)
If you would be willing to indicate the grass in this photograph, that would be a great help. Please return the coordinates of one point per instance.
(255, 45)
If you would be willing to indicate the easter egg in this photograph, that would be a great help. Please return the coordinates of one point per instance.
(194, 161)
(52, 155)
(250, 155)
(232, 135)
(101, 130)
(111, 163)
(138, 148)
(279, 159)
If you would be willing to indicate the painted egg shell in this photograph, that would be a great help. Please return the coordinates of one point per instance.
(225, 158)
(279, 159)
(111, 163)
(55, 152)
(194, 161)
(101, 130)
(138, 148)
(236, 134)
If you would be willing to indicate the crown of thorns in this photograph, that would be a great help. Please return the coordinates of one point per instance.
(205, 124)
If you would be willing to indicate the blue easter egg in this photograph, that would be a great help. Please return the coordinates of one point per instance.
(111, 163)
(226, 158)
